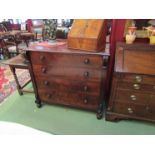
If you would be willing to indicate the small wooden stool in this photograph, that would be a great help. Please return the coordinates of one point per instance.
(18, 62)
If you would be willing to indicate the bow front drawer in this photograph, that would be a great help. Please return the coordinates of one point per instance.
(68, 85)
(60, 59)
(71, 99)
(68, 72)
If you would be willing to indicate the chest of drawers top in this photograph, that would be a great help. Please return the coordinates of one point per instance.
(62, 49)
(136, 58)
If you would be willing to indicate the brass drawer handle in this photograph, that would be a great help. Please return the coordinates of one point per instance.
(42, 57)
(130, 110)
(85, 100)
(43, 70)
(138, 78)
(86, 74)
(85, 88)
(86, 61)
(46, 83)
(136, 86)
(133, 97)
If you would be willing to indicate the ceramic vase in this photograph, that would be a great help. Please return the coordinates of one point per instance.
(130, 38)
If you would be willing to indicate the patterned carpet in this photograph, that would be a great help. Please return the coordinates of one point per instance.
(7, 81)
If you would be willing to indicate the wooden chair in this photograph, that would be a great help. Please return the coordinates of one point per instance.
(8, 46)
(2, 28)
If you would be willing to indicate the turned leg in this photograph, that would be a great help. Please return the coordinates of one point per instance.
(99, 113)
(27, 42)
(16, 79)
(38, 103)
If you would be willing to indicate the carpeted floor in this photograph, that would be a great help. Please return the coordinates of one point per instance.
(63, 120)
(7, 81)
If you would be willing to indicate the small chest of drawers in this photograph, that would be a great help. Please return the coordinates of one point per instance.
(69, 77)
(133, 86)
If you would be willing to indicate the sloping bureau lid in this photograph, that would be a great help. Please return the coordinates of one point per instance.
(135, 58)
(86, 28)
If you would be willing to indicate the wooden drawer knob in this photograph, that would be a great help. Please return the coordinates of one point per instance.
(86, 61)
(85, 101)
(46, 83)
(49, 95)
(138, 78)
(133, 97)
(149, 109)
(86, 74)
(42, 57)
(136, 86)
(43, 70)
(130, 111)
(85, 88)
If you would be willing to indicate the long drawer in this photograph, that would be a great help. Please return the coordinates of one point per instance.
(80, 100)
(60, 59)
(128, 96)
(139, 87)
(146, 111)
(138, 78)
(69, 72)
(62, 84)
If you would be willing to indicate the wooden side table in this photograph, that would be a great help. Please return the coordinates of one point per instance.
(18, 62)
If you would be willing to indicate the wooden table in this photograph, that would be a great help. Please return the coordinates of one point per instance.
(18, 62)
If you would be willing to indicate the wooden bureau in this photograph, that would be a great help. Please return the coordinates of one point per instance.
(133, 86)
(88, 35)
(68, 77)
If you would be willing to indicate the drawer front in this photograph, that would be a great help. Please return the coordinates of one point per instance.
(68, 85)
(138, 78)
(152, 100)
(129, 109)
(71, 99)
(60, 59)
(137, 87)
(69, 72)
(145, 111)
(132, 97)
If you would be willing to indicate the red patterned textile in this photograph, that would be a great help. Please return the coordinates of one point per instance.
(29, 24)
(7, 82)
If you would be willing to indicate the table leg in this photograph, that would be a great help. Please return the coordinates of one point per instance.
(16, 79)
(27, 42)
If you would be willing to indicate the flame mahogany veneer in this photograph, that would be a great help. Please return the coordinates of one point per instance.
(68, 77)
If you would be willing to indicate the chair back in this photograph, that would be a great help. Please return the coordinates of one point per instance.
(2, 28)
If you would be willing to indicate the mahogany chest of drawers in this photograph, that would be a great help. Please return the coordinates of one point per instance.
(133, 86)
(68, 77)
